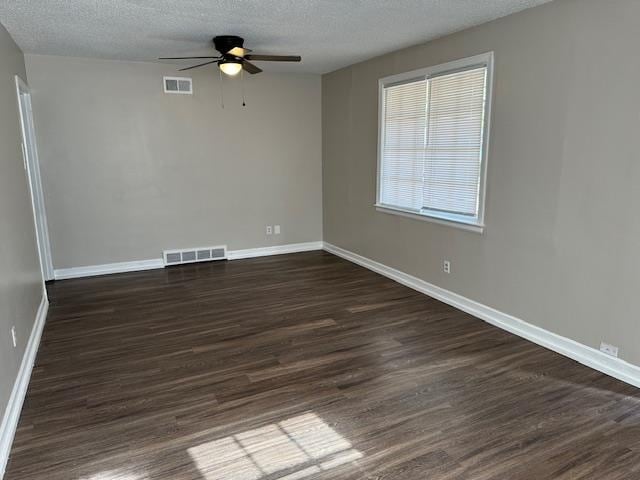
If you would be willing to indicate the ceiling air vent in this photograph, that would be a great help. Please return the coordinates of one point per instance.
(181, 85)
(193, 255)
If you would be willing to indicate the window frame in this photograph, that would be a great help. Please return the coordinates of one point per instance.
(475, 224)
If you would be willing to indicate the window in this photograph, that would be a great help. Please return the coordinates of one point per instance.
(433, 142)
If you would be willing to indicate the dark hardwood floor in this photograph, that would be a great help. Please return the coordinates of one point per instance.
(304, 366)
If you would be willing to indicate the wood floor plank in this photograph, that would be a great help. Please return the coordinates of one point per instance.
(304, 366)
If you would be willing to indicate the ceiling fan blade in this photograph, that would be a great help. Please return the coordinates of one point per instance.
(183, 58)
(196, 66)
(239, 51)
(274, 58)
(250, 67)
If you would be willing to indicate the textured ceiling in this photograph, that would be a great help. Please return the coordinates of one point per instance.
(329, 34)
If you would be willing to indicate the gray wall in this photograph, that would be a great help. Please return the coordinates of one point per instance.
(20, 280)
(562, 245)
(129, 171)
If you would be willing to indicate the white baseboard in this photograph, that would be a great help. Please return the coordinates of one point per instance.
(140, 265)
(14, 407)
(276, 250)
(120, 267)
(583, 354)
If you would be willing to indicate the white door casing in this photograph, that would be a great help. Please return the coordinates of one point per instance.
(32, 168)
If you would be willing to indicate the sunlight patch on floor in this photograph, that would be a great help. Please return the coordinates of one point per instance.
(115, 475)
(292, 449)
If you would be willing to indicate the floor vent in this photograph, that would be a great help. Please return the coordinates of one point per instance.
(193, 255)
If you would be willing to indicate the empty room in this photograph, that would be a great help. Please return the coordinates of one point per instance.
(312, 240)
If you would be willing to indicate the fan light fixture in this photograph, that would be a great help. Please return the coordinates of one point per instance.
(233, 58)
(230, 67)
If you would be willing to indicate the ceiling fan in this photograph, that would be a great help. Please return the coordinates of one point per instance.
(234, 57)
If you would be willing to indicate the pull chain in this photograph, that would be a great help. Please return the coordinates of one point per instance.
(221, 89)
(242, 85)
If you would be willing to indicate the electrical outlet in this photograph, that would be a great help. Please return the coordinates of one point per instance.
(446, 266)
(13, 336)
(609, 349)
(269, 230)
(276, 229)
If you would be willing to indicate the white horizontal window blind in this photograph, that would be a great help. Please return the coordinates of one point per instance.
(404, 144)
(432, 143)
(453, 147)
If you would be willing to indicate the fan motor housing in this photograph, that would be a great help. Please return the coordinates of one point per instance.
(224, 43)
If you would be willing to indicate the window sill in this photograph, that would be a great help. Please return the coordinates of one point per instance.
(444, 219)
